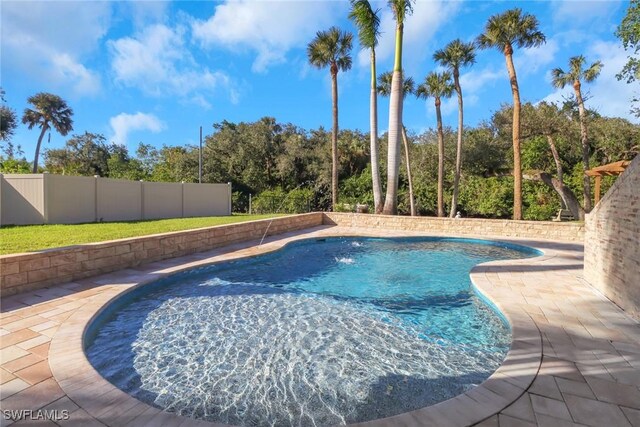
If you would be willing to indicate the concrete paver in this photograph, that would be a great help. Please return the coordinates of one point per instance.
(575, 358)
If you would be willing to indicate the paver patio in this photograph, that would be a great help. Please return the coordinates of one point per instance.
(575, 359)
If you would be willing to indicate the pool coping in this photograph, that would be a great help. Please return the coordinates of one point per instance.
(112, 406)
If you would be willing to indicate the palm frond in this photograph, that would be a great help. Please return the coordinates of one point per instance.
(456, 54)
(408, 86)
(575, 66)
(559, 78)
(591, 73)
(384, 84)
(436, 85)
(368, 22)
(401, 9)
(576, 72)
(49, 109)
(332, 46)
(512, 27)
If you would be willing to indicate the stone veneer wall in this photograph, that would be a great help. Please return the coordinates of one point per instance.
(29, 271)
(612, 242)
(566, 231)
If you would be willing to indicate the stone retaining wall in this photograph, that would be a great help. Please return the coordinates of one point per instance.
(612, 242)
(565, 231)
(29, 271)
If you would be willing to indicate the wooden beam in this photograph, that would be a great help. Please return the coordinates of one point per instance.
(598, 179)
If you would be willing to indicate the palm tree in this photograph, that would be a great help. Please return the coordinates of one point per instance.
(332, 48)
(438, 85)
(503, 31)
(455, 55)
(400, 8)
(49, 110)
(368, 23)
(575, 74)
(384, 89)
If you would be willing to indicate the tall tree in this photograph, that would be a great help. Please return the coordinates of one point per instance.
(48, 111)
(8, 120)
(400, 8)
(438, 86)
(408, 87)
(574, 75)
(629, 33)
(504, 31)
(368, 23)
(455, 55)
(548, 121)
(87, 154)
(332, 48)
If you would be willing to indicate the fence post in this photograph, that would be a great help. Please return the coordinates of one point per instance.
(95, 198)
(45, 198)
(182, 193)
(1, 184)
(142, 199)
(249, 203)
(229, 184)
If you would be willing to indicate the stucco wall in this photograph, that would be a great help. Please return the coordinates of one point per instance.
(612, 242)
(566, 231)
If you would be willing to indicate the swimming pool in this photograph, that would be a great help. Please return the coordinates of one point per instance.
(321, 332)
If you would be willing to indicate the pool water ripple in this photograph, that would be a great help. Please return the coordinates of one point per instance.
(303, 337)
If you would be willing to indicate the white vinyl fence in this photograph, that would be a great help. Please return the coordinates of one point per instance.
(60, 199)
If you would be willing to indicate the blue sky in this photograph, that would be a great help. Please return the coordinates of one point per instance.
(153, 72)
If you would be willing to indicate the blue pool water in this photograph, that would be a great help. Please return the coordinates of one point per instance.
(322, 332)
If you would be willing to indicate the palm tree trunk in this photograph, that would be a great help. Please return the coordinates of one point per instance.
(405, 141)
(373, 121)
(456, 177)
(440, 160)
(45, 127)
(395, 122)
(517, 165)
(586, 182)
(334, 138)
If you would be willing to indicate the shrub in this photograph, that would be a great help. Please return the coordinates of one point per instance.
(278, 201)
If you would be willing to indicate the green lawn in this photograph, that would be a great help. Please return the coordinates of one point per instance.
(29, 238)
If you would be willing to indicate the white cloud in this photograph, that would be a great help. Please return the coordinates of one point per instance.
(147, 12)
(48, 52)
(250, 25)
(607, 95)
(580, 12)
(475, 80)
(530, 60)
(158, 62)
(124, 123)
(84, 81)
